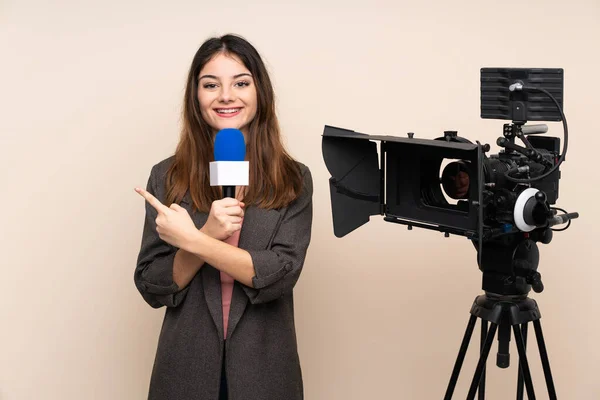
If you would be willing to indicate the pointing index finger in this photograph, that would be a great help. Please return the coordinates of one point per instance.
(153, 201)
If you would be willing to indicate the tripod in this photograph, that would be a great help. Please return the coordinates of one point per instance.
(509, 268)
(503, 313)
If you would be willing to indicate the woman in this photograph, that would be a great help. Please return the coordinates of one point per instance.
(228, 330)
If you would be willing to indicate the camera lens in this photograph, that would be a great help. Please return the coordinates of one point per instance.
(456, 180)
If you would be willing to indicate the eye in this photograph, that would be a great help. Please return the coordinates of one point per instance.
(242, 83)
(209, 85)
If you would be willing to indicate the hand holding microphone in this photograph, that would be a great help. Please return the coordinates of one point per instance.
(224, 219)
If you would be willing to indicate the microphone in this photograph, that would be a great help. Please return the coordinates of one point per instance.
(229, 168)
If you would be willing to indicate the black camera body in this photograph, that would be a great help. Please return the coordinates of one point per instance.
(502, 202)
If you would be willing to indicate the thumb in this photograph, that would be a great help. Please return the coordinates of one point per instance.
(176, 207)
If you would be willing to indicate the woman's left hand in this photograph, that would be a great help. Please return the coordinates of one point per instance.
(173, 224)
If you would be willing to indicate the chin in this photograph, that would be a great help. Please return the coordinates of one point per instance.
(230, 126)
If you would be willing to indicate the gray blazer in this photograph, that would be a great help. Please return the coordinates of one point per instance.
(262, 361)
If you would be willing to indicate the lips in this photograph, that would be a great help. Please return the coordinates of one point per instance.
(228, 112)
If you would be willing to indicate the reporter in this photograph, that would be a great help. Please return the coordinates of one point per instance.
(225, 269)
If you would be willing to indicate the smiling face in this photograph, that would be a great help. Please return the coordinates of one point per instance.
(227, 93)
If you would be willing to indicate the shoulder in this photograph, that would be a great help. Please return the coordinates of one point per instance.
(305, 175)
(159, 170)
(306, 191)
(157, 179)
(304, 170)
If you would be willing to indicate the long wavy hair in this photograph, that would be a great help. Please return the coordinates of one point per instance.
(275, 179)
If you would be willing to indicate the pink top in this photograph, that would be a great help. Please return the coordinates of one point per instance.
(227, 285)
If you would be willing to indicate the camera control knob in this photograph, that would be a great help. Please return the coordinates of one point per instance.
(541, 197)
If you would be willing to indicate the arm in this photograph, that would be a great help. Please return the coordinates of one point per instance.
(223, 221)
(162, 271)
(278, 268)
(232, 260)
(266, 274)
(185, 266)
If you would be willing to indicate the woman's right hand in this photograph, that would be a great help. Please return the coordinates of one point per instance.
(224, 219)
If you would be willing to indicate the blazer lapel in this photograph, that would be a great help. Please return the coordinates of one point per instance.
(257, 232)
(211, 280)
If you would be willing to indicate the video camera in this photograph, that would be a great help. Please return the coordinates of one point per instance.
(502, 202)
(450, 184)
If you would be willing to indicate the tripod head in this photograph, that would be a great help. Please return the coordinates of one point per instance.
(509, 264)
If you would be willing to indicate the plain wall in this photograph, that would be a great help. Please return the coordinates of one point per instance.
(90, 100)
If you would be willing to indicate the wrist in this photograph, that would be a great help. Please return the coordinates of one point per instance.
(193, 240)
(205, 231)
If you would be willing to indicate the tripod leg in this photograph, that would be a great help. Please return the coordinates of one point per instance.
(482, 360)
(520, 379)
(503, 357)
(461, 357)
(544, 356)
(481, 390)
(523, 362)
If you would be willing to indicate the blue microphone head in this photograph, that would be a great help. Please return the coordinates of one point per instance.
(230, 145)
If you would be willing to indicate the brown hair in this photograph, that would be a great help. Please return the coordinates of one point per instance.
(275, 179)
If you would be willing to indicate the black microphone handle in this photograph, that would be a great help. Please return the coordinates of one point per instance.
(229, 191)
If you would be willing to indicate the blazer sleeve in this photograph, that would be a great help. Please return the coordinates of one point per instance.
(154, 269)
(278, 268)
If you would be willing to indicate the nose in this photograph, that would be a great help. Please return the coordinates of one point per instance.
(227, 95)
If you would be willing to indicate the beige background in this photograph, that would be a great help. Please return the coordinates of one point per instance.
(90, 100)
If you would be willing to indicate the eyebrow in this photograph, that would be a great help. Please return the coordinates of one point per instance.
(234, 77)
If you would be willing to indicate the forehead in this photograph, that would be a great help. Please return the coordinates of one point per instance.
(224, 65)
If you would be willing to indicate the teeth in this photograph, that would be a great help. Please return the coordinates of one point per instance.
(227, 110)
